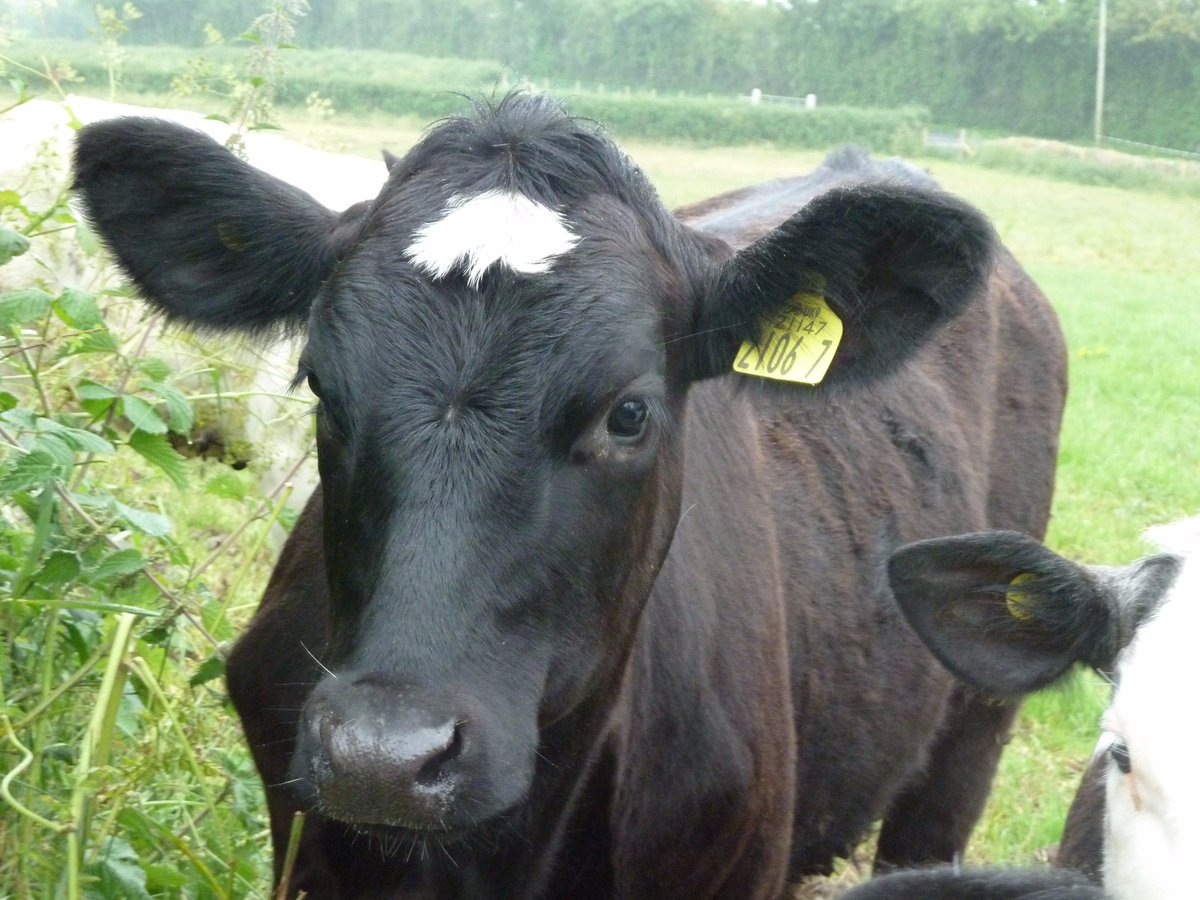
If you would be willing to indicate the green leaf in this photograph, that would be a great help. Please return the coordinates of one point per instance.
(56, 447)
(116, 565)
(147, 831)
(9, 198)
(91, 390)
(79, 439)
(213, 667)
(78, 309)
(165, 879)
(95, 398)
(118, 874)
(86, 441)
(12, 243)
(157, 635)
(154, 368)
(155, 449)
(7, 401)
(19, 307)
(100, 341)
(28, 470)
(97, 409)
(61, 567)
(179, 411)
(227, 484)
(23, 419)
(153, 524)
(287, 517)
(131, 712)
(142, 415)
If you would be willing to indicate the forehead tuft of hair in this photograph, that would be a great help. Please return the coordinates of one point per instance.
(525, 144)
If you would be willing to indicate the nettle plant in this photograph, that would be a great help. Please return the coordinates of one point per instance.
(120, 773)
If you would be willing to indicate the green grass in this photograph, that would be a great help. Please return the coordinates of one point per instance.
(1121, 269)
(1086, 165)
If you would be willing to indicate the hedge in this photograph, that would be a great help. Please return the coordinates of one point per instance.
(429, 87)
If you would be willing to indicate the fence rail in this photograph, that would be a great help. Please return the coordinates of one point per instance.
(955, 141)
(1170, 151)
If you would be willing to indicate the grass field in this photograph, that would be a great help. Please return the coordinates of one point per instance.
(1120, 267)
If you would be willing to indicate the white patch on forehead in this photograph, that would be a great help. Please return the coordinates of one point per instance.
(1153, 816)
(493, 227)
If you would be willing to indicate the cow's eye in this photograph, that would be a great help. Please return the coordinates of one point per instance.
(314, 384)
(628, 419)
(1118, 751)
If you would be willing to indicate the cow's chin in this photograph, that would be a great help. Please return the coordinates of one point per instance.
(448, 819)
(442, 811)
(404, 837)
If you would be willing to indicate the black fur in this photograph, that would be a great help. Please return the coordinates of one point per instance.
(954, 593)
(210, 240)
(894, 262)
(952, 883)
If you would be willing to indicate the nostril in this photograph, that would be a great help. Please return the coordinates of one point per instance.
(433, 767)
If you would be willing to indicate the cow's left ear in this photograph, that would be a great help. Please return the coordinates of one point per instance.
(894, 263)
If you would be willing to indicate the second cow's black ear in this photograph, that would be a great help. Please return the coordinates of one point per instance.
(210, 240)
(893, 262)
(1008, 615)
(1000, 610)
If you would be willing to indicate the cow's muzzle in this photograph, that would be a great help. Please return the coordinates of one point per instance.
(373, 753)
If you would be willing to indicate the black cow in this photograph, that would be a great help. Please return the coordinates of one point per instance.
(595, 616)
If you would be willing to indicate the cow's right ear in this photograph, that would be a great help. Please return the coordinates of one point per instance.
(1004, 613)
(210, 240)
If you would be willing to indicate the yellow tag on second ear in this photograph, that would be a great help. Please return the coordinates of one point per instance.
(797, 345)
(1018, 602)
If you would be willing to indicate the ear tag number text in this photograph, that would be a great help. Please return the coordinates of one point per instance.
(797, 345)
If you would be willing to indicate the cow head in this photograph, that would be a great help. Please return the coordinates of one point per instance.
(1009, 616)
(502, 343)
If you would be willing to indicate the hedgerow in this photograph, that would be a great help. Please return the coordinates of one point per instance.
(430, 88)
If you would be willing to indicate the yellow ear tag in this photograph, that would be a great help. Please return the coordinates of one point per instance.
(1018, 602)
(797, 345)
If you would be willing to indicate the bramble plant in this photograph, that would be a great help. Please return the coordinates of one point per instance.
(111, 628)
(111, 26)
(121, 774)
(252, 90)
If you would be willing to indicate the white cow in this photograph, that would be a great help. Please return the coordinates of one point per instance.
(36, 140)
(1009, 616)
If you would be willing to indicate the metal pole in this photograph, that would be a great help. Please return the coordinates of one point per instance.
(1101, 53)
